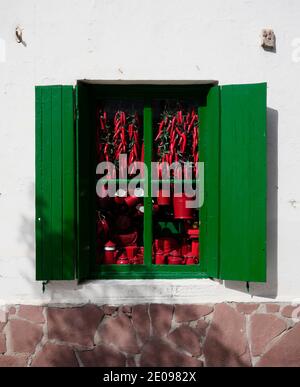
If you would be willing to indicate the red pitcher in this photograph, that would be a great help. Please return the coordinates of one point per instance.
(181, 211)
(109, 253)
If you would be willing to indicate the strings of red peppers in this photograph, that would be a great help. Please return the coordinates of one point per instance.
(177, 137)
(119, 136)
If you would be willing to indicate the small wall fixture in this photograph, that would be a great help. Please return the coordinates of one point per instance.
(19, 36)
(268, 39)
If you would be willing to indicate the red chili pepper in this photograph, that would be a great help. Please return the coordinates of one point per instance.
(130, 131)
(102, 123)
(116, 118)
(173, 123)
(161, 125)
(180, 117)
(192, 123)
(136, 136)
(178, 131)
(131, 157)
(123, 137)
(184, 141)
(135, 150)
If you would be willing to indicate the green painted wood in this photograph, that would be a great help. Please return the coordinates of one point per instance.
(243, 183)
(54, 117)
(56, 183)
(209, 154)
(39, 183)
(148, 200)
(86, 174)
(68, 180)
(143, 271)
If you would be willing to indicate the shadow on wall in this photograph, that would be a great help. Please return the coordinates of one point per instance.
(270, 289)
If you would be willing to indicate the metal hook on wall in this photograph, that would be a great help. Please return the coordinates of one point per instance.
(19, 36)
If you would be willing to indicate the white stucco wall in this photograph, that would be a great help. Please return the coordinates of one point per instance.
(145, 40)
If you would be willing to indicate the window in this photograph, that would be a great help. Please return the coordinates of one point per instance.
(74, 227)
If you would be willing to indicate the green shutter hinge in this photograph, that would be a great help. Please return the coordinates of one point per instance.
(248, 287)
(44, 285)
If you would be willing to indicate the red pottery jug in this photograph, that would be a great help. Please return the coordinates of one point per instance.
(131, 252)
(195, 248)
(168, 244)
(126, 239)
(109, 253)
(190, 260)
(194, 235)
(174, 258)
(123, 260)
(133, 199)
(181, 211)
(138, 259)
(163, 198)
(160, 258)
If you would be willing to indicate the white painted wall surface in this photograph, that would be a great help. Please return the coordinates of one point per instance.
(145, 40)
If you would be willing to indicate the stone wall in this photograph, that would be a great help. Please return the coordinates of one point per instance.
(242, 335)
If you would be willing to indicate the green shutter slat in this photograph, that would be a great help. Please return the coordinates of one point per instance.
(209, 121)
(46, 198)
(39, 183)
(85, 183)
(243, 183)
(68, 179)
(56, 183)
(54, 226)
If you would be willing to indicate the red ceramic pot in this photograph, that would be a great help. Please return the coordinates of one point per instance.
(109, 253)
(185, 248)
(131, 251)
(193, 233)
(181, 211)
(158, 245)
(155, 208)
(160, 258)
(138, 260)
(163, 198)
(168, 244)
(190, 260)
(133, 199)
(123, 260)
(126, 239)
(175, 260)
(195, 248)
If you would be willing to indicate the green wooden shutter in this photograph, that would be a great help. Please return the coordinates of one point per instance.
(55, 183)
(86, 181)
(243, 183)
(209, 152)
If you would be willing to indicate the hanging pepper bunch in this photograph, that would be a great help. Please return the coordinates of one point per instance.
(177, 137)
(104, 138)
(123, 137)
